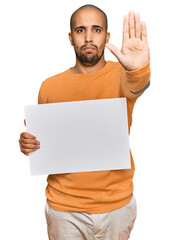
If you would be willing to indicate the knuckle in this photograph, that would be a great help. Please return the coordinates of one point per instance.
(22, 135)
(22, 145)
(27, 135)
(29, 146)
(26, 141)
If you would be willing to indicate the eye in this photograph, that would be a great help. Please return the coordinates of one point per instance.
(97, 29)
(79, 30)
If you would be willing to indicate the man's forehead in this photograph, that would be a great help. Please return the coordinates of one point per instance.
(88, 18)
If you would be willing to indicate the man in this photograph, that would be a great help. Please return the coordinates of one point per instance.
(100, 204)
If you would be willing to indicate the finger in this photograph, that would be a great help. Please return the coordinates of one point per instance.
(114, 50)
(27, 135)
(29, 146)
(137, 24)
(131, 24)
(143, 32)
(25, 122)
(125, 29)
(29, 141)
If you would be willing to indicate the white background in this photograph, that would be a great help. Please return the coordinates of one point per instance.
(34, 45)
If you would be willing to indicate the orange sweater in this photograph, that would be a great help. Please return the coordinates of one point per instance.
(99, 191)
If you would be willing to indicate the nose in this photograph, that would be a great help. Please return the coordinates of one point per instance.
(88, 36)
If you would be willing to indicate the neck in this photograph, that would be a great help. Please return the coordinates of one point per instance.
(80, 68)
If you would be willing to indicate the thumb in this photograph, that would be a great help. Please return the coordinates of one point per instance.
(115, 51)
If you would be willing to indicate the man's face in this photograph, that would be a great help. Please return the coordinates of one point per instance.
(89, 31)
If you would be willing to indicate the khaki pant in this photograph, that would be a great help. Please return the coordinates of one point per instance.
(114, 225)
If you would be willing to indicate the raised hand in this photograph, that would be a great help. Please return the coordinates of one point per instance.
(135, 52)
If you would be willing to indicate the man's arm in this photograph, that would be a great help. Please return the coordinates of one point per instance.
(134, 57)
(134, 83)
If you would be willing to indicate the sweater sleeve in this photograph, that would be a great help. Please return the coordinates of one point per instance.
(134, 83)
(41, 95)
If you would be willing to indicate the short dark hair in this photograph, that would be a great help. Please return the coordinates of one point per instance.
(88, 6)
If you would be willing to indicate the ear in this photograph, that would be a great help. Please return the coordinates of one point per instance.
(70, 38)
(107, 37)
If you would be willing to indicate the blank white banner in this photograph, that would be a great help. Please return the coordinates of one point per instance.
(79, 136)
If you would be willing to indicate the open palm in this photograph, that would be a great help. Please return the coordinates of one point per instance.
(135, 50)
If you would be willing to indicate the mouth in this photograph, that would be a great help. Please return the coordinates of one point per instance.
(88, 49)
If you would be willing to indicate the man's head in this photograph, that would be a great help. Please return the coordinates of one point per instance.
(88, 26)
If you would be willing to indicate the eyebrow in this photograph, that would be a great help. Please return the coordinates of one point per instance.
(94, 26)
